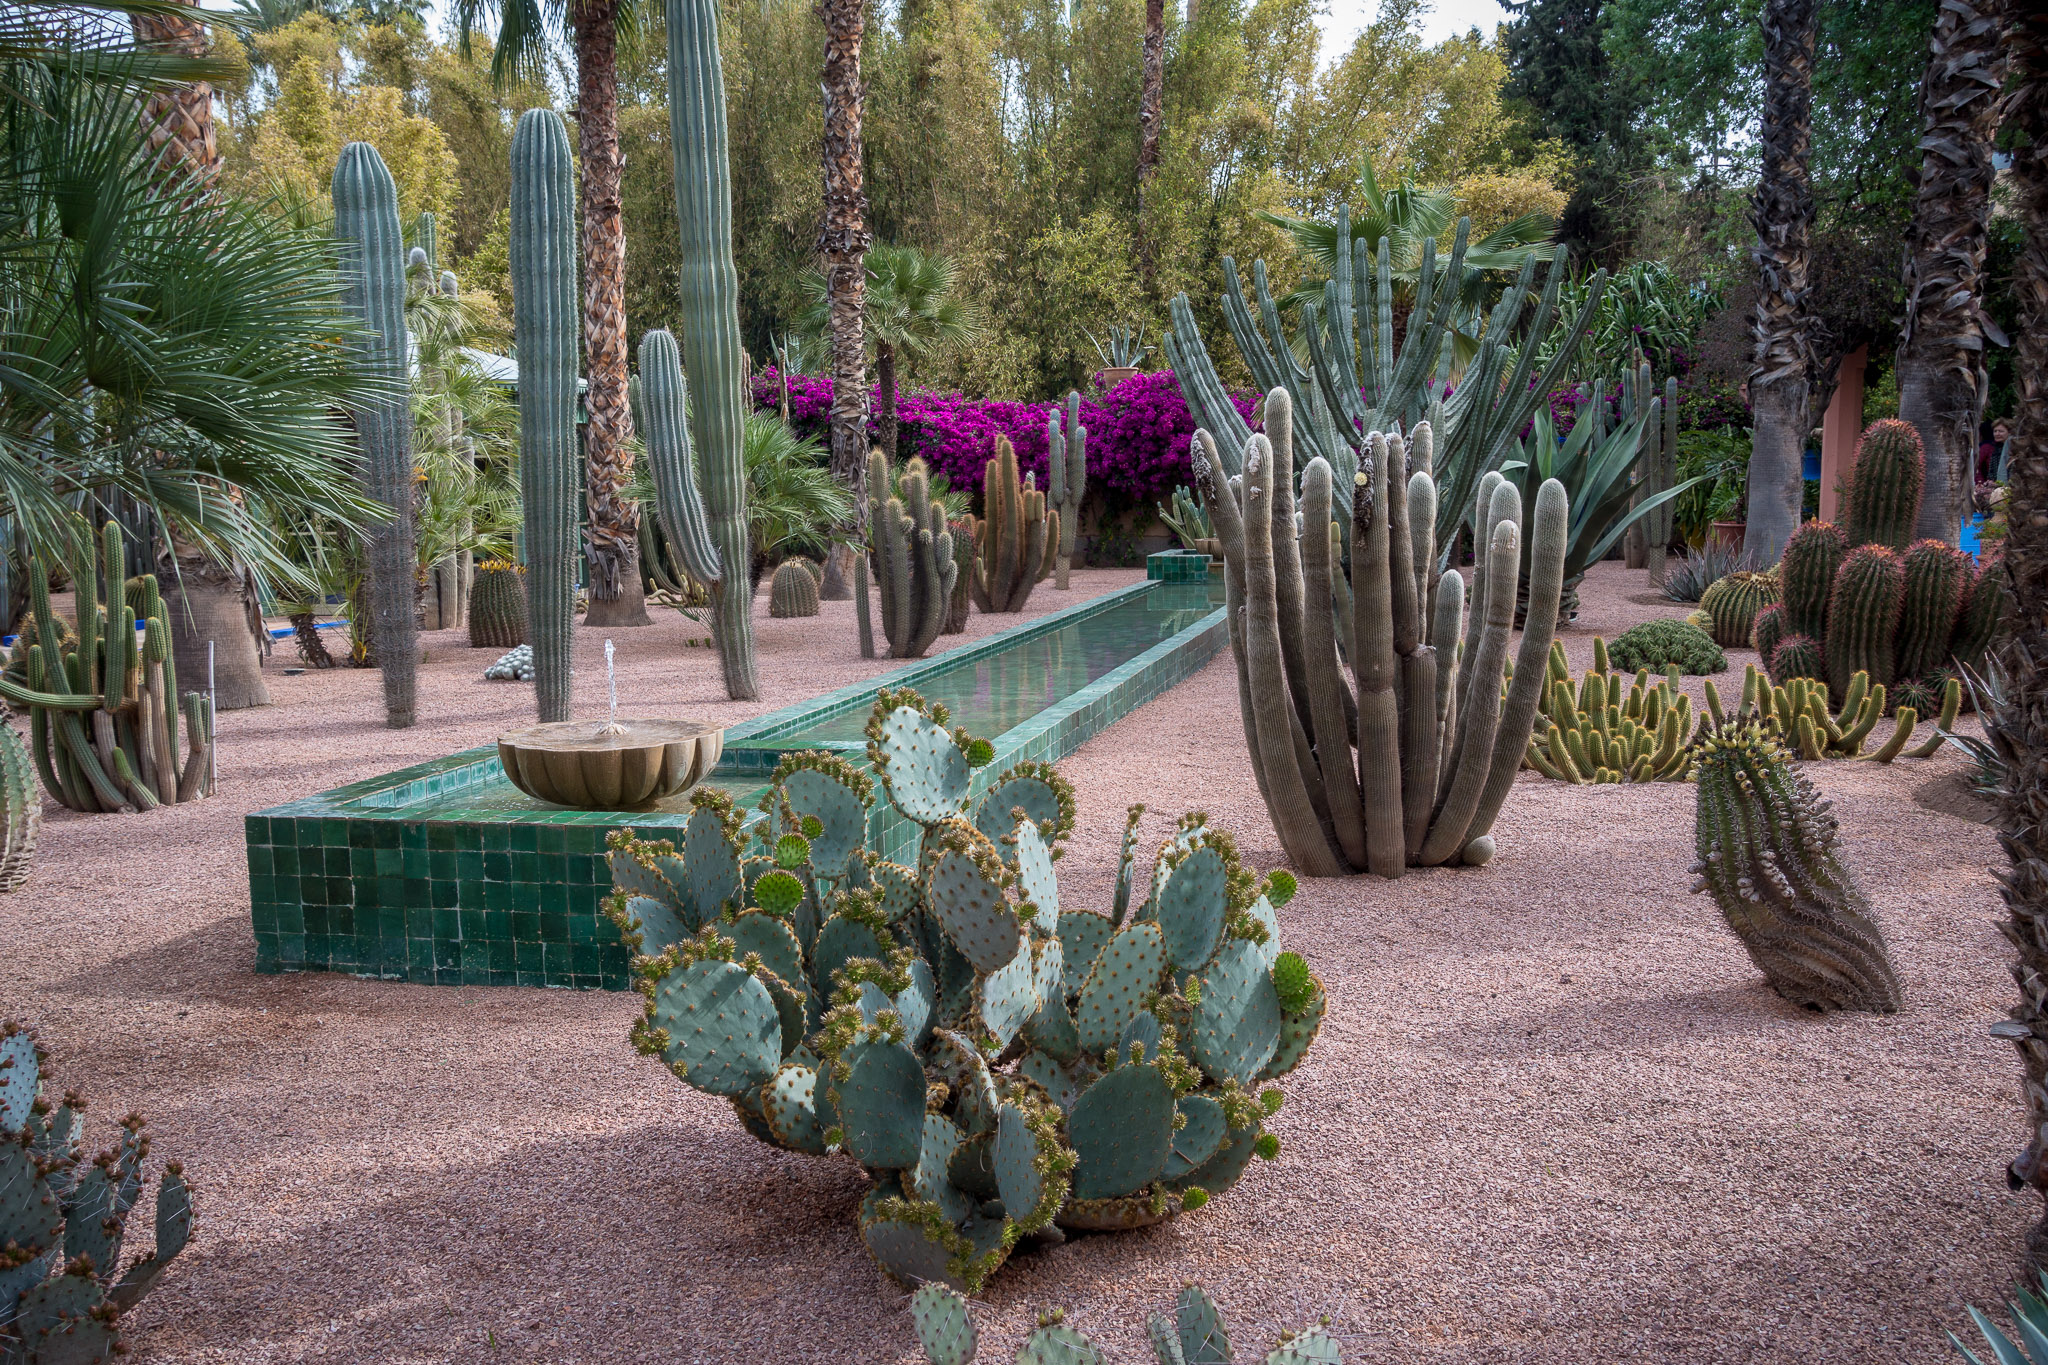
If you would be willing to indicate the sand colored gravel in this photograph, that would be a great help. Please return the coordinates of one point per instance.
(1555, 1114)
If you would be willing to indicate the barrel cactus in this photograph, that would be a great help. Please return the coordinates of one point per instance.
(1883, 496)
(792, 591)
(64, 1218)
(1066, 478)
(1658, 645)
(1017, 535)
(1609, 730)
(1194, 1335)
(1769, 851)
(1000, 1065)
(497, 605)
(21, 808)
(1731, 603)
(1936, 581)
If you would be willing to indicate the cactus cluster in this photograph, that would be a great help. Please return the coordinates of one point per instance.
(913, 553)
(21, 809)
(793, 591)
(64, 1217)
(1413, 766)
(1016, 537)
(1768, 851)
(1066, 478)
(104, 707)
(1194, 1335)
(1729, 607)
(1797, 714)
(1001, 1065)
(1599, 733)
(497, 606)
(514, 665)
(1659, 645)
(1859, 598)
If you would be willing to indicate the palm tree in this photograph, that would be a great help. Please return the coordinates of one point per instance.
(593, 26)
(179, 117)
(1941, 345)
(2022, 722)
(793, 502)
(1782, 365)
(1151, 96)
(843, 239)
(908, 310)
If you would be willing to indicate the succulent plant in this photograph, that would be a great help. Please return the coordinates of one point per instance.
(103, 707)
(1883, 497)
(793, 591)
(21, 809)
(1797, 713)
(1194, 1335)
(1066, 478)
(64, 1218)
(1436, 743)
(1937, 581)
(1863, 616)
(2029, 1313)
(913, 554)
(514, 665)
(1000, 1065)
(963, 578)
(1731, 603)
(497, 606)
(1017, 535)
(1659, 645)
(1769, 852)
(1599, 734)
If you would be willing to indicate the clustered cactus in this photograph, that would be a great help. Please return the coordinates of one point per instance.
(1001, 1065)
(1194, 1335)
(1662, 644)
(913, 554)
(1066, 478)
(497, 606)
(103, 707)
(1017, 536)
(63, 1219)
(1598, 734)
(1860, 599)
(1411, 766)
(793, 591)
(1768, 851)
(1797, 714)
(1729, 607)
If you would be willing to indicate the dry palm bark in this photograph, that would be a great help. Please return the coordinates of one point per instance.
(1941, 345)
(1151, 95)
(613, 544)
(1781, 367)
(179, 117)
(843, 240)
(2022, 721)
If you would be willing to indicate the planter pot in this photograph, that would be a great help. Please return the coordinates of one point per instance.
(1110, 378)
(592, 765)
(1728, 534)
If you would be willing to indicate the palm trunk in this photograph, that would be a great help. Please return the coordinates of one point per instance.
(1941, 346)
(2022, 723)
(1151, 96)
(179, 118)
(1781, 373)
(211, 606)
(613, 544)
(843, 241)
(885, 378)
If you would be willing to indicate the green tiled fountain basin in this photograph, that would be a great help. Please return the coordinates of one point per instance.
(444, 873)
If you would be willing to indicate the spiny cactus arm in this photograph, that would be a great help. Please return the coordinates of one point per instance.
(1472, 761)
(1951, 706)
(1447, 617)
(1407, 607)
(1421, 512)
(1327, 691)
(1546, 586)
(1902, 730)
(121, 654)
(1202, 389)
(1476, 621)
(931, 604)
(1287, 548)
(861, 608)
(1419, 356)
(1009, 537)
(1055, 457)
(666, 428)
(896, 584)
(1372, 659)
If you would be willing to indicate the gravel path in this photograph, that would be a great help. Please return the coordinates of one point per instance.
(1555, 1114)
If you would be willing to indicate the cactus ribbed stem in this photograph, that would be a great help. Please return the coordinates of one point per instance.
(1937, 576)
(1883, 497)
(1066, 478)
(1331, 728)
(1372, 659)
(710, 320)
(1863, 616)
(664, 422)
(1539, 629)
(1807, 575)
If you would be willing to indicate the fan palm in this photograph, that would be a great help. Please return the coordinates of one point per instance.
(793, 502)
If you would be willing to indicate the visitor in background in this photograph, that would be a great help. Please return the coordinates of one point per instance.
(2001, 441)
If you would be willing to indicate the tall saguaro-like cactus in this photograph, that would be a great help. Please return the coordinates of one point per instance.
(373, 273)
(711, 319)
(1066, 478)
(544, 322)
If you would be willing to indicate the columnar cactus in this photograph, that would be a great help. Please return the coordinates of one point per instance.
(1194, 1335)
(103, 707)
(963, 577)
(913, 553)
(64, 1217)
(373, 275)
(711, 321)
(1883, 496)
(1731, 603)
(1067, 478)
(545, 319)
(663, 421)
(999, 1063)
(21, 809)
(1018, 535)
(1863, 615)
(1436, 744)
(1937, 580)
(1769, 853)
(1806, 575)
(792, 592)
(1597, 734)
(497, 606)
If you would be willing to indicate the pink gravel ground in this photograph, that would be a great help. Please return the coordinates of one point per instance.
(1555, 1115)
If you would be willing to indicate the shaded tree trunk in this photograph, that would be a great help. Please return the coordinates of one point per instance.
(885, 380)
(612, 544)
(1781, 366)
(843, 241)
(1941, 345)
(1151, 96)
(179, 119)
(2022, 722)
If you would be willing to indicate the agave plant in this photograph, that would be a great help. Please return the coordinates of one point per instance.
(2030, 1323)
(1126, 348)
(1991, 758)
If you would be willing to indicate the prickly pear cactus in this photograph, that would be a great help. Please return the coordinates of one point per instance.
(1001, 1065)
(64, 1217)
(1194, 1335)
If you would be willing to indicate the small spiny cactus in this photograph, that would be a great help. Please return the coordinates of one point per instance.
(793, 591)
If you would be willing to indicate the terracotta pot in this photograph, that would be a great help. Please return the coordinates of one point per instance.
(575, 763)
(1728, 534)
(1110, 378)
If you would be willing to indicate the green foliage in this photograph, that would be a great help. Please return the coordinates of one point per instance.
(1715, 466)
(1194, 1335)
(2029, 1313)
(793, 502)
(1658, 645)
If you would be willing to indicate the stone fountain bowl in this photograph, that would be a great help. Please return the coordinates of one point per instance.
(576, 763)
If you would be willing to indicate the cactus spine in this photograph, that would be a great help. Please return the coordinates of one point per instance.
(1937, 578)
(21, 809)
(663, 420)
(1067, 478)
(792, 592)
(1806, 575)
(1017, 535)
(1769, 852)
(1437, 744)
(1731, 604)
(497, 606)
(373, 273)
(545, 318)
(1884, 485)
(711, 320)
(913, 553)
(1795, 712)
(1863, 616)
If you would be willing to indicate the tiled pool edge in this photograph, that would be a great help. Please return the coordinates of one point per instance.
(366, 891)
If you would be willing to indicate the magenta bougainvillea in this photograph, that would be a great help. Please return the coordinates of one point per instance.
(1138, 432)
